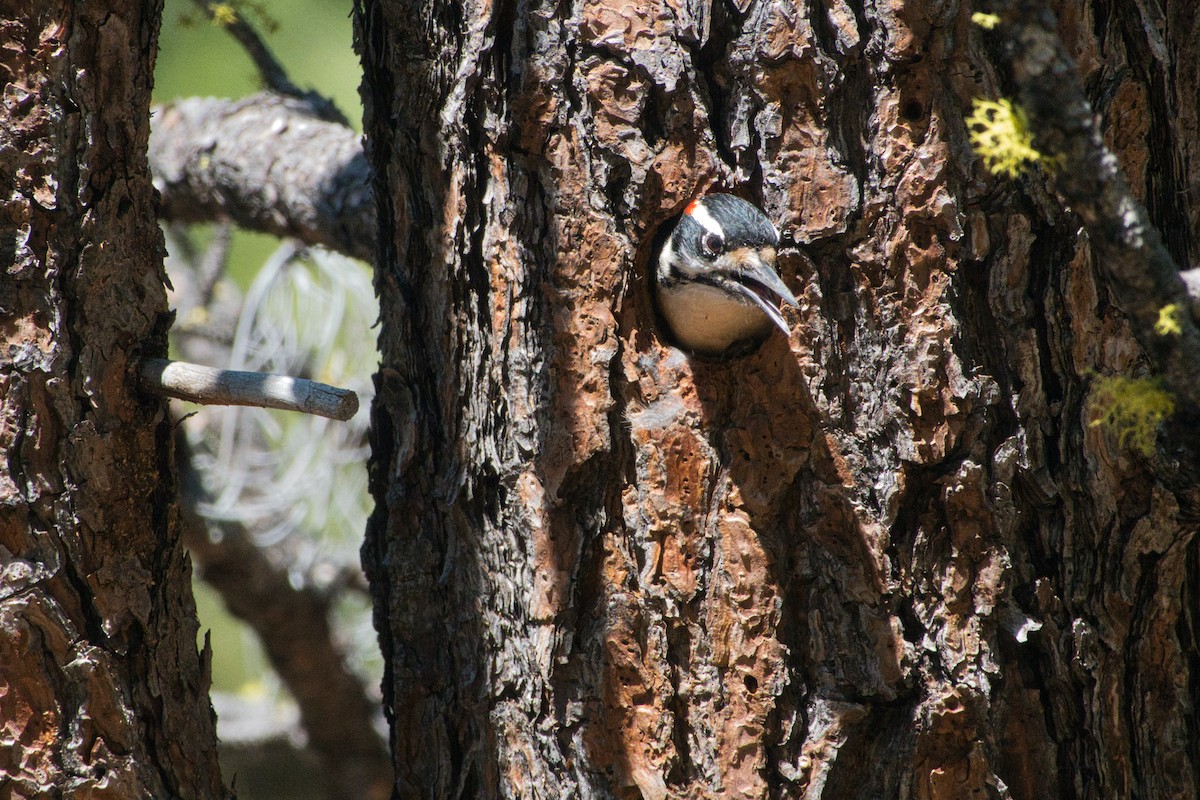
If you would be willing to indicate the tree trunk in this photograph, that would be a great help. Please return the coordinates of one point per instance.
(102, 691)
(888, 557)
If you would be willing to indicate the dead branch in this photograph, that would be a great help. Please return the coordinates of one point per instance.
(228, 387)
(272, 72)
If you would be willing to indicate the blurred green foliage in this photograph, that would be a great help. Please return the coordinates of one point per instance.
(311, 38)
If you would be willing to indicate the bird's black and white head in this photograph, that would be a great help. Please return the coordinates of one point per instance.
(716, 284)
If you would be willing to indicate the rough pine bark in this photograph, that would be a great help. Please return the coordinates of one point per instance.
(102, 690)
(887, 557)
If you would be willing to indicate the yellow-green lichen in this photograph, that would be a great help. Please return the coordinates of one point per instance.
(999, 133)
(987, 21)
(1132, 408)
(1169, 320)
(223, 14)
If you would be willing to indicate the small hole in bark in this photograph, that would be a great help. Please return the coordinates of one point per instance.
(751, 683)
(614, 187)
(912, 111)
(652, 119)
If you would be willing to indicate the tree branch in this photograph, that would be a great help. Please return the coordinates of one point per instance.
(273, 74)
(228, 387)
(1129, 250)
(266, 163)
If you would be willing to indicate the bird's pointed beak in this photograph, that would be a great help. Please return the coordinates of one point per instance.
(756, 279)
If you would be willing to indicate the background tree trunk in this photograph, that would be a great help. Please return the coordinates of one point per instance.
(886, 558)
(102, 691)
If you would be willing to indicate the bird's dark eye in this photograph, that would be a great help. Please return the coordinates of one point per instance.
(712, 243)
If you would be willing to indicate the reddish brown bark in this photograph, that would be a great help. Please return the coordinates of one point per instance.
(885, 558)
(102, 690)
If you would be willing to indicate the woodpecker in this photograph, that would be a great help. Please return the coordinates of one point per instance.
(716, 284)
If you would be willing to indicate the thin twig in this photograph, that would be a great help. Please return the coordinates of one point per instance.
(211, 266)
(227, 387)
(273, 74)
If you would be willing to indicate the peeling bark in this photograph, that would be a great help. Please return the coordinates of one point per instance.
(887, 557)
(102, 690)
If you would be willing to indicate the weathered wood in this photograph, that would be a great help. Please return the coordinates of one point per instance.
(886, 558)
(232, 387)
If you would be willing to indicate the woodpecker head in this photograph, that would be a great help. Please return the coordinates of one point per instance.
(716, 284)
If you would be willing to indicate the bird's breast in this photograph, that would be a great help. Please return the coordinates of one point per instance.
(708, 320)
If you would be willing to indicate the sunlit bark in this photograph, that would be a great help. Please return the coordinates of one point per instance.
(887, 557)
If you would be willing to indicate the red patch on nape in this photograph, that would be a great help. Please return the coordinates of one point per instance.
(692, 206)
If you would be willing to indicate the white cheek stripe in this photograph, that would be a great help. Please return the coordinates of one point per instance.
(706, 220)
